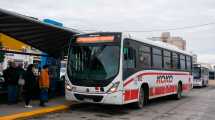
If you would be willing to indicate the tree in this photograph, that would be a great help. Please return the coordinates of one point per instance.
(2, 53)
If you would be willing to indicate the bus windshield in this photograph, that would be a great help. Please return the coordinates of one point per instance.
(93, 64)
(196, 72)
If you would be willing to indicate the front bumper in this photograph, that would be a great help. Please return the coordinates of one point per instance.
(105, 98)
(197, 83)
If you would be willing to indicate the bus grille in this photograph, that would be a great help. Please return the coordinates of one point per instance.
(95, 98)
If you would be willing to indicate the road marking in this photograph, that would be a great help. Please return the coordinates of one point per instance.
(36, 112)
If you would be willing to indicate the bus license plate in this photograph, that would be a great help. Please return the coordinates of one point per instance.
(88, 100)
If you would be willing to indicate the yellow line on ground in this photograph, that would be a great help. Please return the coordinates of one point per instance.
(36, 112)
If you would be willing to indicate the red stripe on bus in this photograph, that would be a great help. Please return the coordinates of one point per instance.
(156, 73)
(167, 89)
(153, 73)
(128, 81)
(131, 94)
(186, 87)
(162, 90)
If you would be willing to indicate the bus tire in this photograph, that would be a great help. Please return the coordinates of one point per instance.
(140, 103)
(202, 84)
(206, 85)
(178, 95)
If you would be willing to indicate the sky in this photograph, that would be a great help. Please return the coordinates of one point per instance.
(131, 15)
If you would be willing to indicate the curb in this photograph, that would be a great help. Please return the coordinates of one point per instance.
(36, 112)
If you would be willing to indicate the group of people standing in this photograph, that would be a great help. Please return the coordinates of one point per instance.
(19, 81)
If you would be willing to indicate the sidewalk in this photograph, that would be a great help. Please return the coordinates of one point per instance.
(10, 112)
(211, 82)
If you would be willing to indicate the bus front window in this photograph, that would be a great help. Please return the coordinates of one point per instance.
(196, 73)
(93, 65)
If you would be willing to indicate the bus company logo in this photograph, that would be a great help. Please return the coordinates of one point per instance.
(164, 79)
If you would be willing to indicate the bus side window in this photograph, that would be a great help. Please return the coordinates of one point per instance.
(175, 61)
(129, 61)
(144, 57)
(189, 64)
(129, 57)
(157, 58)
(182, 62)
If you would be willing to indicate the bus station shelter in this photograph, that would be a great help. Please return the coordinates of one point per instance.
(47, 38)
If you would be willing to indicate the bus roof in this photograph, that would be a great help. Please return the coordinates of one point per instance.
(147, 41)
(161, 45)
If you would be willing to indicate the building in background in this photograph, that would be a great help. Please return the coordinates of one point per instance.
(11, 44)
(179, 42)
(167, 38)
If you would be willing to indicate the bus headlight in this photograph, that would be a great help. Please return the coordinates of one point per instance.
(198, 80)
(68, 88)
(114, 87)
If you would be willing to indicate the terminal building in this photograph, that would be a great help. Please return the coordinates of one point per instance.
(12, 45)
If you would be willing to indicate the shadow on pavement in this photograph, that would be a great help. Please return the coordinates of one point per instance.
(112, 110)
(3, 99)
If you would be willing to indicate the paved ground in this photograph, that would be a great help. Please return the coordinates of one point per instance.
(211, 82)
(13, 109)
(199, 104)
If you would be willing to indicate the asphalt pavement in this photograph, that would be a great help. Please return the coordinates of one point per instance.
(17, 111)
(199, 104)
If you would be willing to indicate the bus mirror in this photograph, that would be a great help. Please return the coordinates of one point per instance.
(125, 51)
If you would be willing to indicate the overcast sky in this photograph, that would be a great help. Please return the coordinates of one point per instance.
(131, 15)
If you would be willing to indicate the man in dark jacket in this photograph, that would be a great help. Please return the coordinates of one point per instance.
(21, 81)
(11, 77)
(30, 85)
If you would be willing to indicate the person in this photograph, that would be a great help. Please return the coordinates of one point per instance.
(11, 79)
(30, 84)
(53, 80)
(44, 85)
(21, 81)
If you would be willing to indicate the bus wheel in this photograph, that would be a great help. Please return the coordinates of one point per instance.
(140, 103)
(202, 84)
(206, 85)
(178, 95)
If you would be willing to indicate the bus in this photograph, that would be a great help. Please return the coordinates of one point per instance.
(211, 75)
(112, 68)
(200, 76)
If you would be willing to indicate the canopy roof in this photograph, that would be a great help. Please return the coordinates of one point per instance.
(48, 38)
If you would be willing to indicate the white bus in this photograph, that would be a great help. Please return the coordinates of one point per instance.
(110, 68)
(200, 76)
